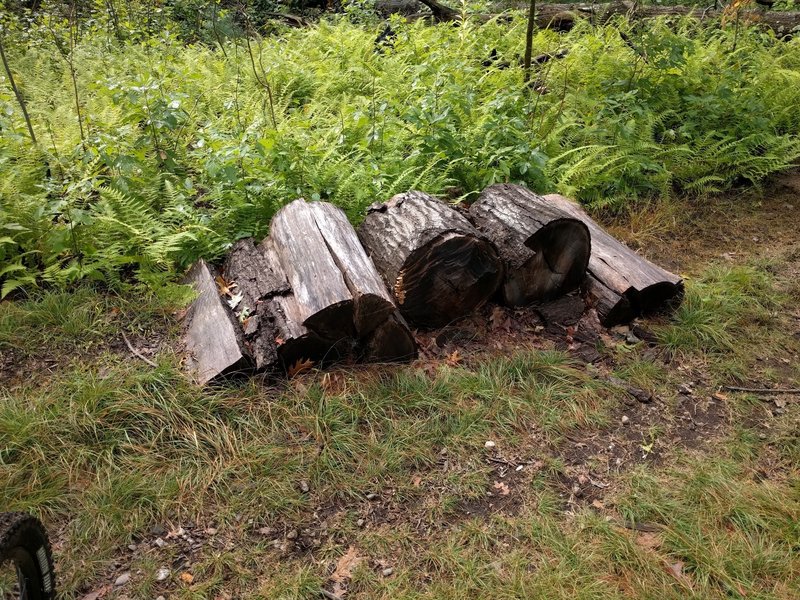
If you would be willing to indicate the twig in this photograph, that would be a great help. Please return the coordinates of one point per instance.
(732, 388)
(136, 352)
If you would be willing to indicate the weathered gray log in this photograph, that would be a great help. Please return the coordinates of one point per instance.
(437, 264)
(372, 302)
(622, 283)
(545, 251)
(337, 289)
(325, 304)
(391, 342)
(213, 338)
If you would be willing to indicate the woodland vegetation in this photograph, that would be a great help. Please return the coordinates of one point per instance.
(140, 136)
(521, 454)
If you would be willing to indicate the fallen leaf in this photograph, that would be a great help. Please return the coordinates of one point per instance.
(719, 396)
(333, 383)
(416, 481)
(598, 505)
(648, 539)
(225, 287)
(187, 577)
(343, 572)
(301, 366)
(676, 570)
(234, 300)
(502, 488)
(454, 358)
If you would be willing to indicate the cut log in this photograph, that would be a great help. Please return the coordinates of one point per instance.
(372, 302)
(391, 342)
(268, 312)
(338, 291)
(545, 251)
(438, 265)
(213, 337)
(621, 283)
(325, 304)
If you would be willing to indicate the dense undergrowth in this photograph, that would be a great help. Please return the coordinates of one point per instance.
(183, 148)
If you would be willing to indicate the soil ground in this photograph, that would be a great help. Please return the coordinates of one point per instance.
(510, 460)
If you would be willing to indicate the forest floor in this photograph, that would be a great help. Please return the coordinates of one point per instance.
(500, 464)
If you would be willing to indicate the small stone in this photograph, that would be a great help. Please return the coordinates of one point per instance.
(519, 468)
(387, 572)
(132, 547)
(161, 598)
(625, 419)
(159, 542)
(162, 574)
(211, 531)
(685, 389)
(157, 530)
(360, 522)
(292, 535)
(266, 531)
(372, 496)
(122, 579)
(304, 487)
(489, 444)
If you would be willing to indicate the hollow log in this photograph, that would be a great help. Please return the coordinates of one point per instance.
(621, 283)
(544, 250)
(392, 341)
(438, 265)
(213, 339)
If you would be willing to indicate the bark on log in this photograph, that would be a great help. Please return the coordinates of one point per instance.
(256, 279)
(622, 283)
(213, 338)
(269, 314)
(545, 251)
(391, 342)
(438, 265)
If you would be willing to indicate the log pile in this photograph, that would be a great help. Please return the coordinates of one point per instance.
(316, 291)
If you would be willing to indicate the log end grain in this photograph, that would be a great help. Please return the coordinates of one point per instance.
(213, 338)
(391, 342)
(447, 278)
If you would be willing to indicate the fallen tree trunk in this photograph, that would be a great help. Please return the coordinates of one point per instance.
(269, 314)
(562, 17)
(337, 289)
(214, 342)
(438, 265)
(544, 250)
(621, 283)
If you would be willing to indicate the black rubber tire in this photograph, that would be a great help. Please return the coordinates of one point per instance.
(24, 543)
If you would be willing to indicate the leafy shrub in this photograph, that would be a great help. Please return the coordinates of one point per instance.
(188, 147)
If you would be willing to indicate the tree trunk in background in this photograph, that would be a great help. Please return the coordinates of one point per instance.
(438, 265)
(545, 250)
(562, 17)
